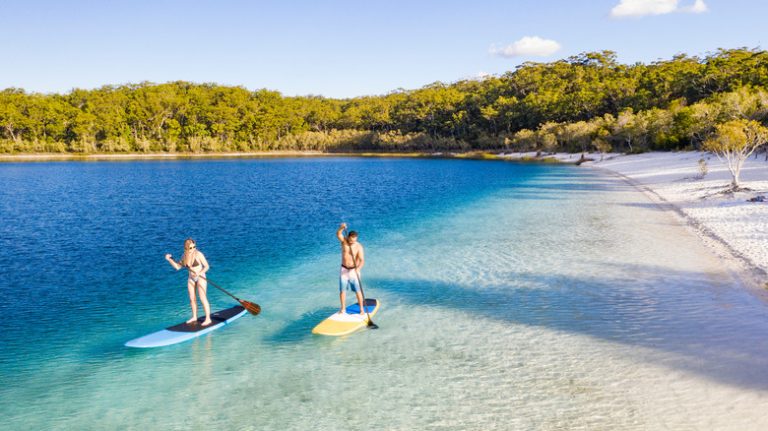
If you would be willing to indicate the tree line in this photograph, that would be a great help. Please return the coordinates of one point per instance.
(585, 102)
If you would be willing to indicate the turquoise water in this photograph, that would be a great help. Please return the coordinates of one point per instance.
(514, 297)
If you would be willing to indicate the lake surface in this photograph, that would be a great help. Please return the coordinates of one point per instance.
(513, 297)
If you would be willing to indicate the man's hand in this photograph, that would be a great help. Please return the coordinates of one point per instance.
(343, 226)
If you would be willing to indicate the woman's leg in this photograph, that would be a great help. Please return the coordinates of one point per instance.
(192, 300)
(202, 288)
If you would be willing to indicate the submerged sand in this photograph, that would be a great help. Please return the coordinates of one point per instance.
(728, 222)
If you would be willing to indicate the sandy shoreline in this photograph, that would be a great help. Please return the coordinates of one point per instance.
(732, 227)
(49, 157)
(481, 155)
(46, 157)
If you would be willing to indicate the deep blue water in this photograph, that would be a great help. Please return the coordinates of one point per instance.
(82, 243)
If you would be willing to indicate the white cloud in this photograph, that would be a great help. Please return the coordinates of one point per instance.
(698, 7)
(638, 8)
(528, 46)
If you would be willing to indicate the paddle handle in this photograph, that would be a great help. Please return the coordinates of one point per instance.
(220, 288)
(252, 307)
(215, 285)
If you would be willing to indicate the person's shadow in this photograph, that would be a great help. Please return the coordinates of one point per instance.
(301, 328)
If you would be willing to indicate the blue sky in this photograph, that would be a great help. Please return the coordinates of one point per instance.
(345, 48)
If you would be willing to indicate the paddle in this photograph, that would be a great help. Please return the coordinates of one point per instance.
(252, 308)
(360, 282)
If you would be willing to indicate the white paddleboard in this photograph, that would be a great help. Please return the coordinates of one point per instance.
(187, 331)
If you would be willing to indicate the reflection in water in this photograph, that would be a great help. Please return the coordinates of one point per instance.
(202, 357)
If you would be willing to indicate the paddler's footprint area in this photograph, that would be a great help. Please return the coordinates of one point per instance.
(195, 326)
(301, 328)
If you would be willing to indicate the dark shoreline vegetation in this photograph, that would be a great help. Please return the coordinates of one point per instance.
(588, 102)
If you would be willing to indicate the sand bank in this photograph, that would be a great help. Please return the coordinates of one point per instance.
(734, 227)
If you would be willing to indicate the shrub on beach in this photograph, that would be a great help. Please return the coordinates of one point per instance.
(733, 142)
(703, 169)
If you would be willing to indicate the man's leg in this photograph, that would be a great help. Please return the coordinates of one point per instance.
(360, 300)
(343, 299)
(356, 287)
(342, 294)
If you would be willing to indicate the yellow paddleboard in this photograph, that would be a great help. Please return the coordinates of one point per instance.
(349, 322)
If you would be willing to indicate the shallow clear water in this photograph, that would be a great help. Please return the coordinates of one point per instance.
(514, 297)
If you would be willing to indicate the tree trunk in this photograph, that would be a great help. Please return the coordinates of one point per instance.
(9, 128)
(735, 169)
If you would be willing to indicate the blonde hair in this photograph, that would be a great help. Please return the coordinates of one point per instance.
(186, 258)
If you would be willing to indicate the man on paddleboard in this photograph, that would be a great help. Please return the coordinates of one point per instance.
(352, 261)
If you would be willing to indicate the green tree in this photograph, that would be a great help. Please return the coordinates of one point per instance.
(733, 142)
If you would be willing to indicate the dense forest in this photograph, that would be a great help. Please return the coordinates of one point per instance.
(585, 102)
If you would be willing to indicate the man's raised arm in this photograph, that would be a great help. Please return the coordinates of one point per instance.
(339, 232)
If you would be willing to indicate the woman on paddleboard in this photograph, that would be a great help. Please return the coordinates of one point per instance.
(194, 260)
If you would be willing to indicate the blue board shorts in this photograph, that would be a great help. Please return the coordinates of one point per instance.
(348, 279)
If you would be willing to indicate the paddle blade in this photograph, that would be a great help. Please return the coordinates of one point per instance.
(251, 307)
(372, 325)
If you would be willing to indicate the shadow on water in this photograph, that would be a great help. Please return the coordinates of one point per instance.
(300, 329)
(667, 206)
(708, 331)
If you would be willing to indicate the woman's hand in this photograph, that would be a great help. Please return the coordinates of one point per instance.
(173, 263)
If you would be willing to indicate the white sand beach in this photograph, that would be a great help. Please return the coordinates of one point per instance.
(729, 223)
(733, 227)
